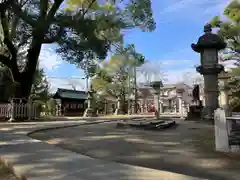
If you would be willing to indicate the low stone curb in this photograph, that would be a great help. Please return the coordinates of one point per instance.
(86, 123)
(66, 126)
(12, 169)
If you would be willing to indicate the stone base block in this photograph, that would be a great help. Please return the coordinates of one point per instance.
(88, 112)
(118, 112)
(235, 148)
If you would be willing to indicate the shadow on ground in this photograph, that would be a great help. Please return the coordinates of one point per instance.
(188, 149)
(39, 160)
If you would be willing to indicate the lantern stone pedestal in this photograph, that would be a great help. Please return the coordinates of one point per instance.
(208, 46)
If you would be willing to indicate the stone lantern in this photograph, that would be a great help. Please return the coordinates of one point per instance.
(157, 85)
(224, 92)
(208, 46)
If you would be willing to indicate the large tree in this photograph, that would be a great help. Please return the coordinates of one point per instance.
(229, 30)
(80, 28)
(40, 87)
(113, 79)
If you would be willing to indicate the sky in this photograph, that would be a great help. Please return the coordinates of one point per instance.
(167, 49)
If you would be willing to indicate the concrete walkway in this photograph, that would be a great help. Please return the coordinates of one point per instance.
(38, 160)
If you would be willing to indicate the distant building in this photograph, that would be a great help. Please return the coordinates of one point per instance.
(168, 95)
(70, 102)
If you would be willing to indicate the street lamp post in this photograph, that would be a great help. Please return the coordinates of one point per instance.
(157, 85)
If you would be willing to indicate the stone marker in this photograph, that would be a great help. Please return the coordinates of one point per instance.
(221, 131)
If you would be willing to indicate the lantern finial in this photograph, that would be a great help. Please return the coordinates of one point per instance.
(208, 28)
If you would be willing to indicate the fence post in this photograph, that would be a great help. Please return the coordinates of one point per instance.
(29, 109)
(12, 116)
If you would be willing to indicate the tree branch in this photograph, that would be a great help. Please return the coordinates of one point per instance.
(89, 6)
(5, 25)
(55, 38)
(7, 39)
(53, 10)
(10, 47)
(22, 14)
(15, 21)
(43, 8)
(5, 60)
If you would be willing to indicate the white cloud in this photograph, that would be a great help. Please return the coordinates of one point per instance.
(188, 76)
(48, 59)
(190, 6)
(155, 70)
(192, 10)
(175, 62)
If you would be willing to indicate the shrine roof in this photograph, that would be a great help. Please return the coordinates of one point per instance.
(70, 94)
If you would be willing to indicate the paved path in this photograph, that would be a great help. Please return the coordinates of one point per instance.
(186, 149)
(38, 160)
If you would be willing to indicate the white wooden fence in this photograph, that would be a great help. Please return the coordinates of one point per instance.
(18, 111)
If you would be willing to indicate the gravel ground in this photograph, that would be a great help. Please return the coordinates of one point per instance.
(186, 149)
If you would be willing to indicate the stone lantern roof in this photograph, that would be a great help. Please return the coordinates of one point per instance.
(208, 41)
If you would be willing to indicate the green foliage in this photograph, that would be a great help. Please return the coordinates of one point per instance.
(229, 30)
(83, 30)
(51, 106)
(40, 87)
(101, 26)
(113, 79)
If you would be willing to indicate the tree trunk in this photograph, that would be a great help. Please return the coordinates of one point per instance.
(25, 78)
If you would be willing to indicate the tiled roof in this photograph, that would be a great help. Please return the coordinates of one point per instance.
(165, 86)
(70, 94)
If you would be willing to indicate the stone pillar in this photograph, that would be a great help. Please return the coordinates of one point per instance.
(88, 112)
(175, 107)
(224, 93)
(118, 109)
(12, 116)
(160, 108)
(106, 107)
(208, 46)
(157, 106)
(180, 103)
(188, 108)
(211, 94)
(221, 131)
(30, 104)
